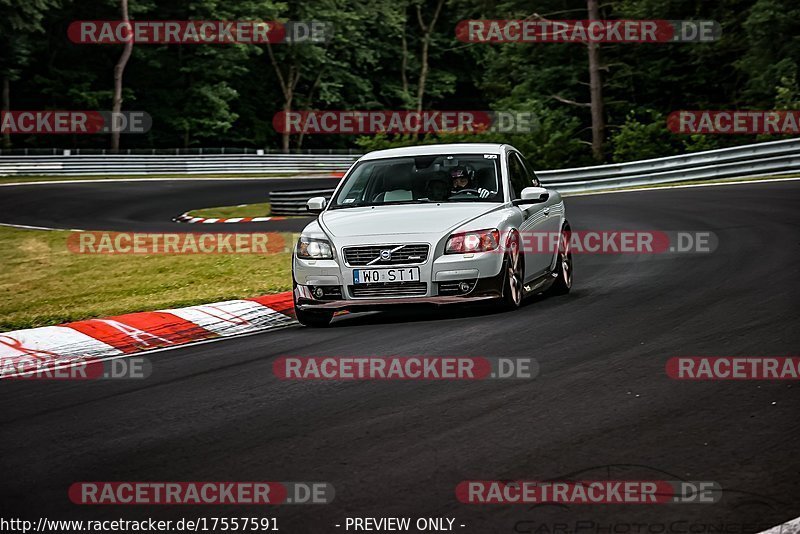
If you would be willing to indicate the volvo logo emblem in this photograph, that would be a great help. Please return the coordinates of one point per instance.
(386, 255)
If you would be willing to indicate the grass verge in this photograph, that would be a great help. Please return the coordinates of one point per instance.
(242, 210)
(43, 283)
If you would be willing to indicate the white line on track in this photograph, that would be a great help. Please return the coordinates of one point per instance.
(29, 227)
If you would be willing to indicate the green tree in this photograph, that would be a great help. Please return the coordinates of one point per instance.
(20, 21)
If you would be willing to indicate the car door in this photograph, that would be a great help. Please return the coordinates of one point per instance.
(552, 209)
(534, 218)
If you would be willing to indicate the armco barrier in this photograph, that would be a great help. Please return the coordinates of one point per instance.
(776, 157)
(294, 202)
(116, 165)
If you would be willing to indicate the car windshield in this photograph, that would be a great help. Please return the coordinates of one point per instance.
(422, 179)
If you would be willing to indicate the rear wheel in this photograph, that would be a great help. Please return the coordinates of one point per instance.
(563, 282)
(315, 318)
(512, 265)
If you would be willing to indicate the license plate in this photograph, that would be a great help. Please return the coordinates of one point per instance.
(371, 276)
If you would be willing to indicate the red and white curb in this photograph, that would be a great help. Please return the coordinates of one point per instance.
(186, 218)
(98, 339)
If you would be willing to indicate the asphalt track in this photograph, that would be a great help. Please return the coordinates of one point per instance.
(602, 406)
(143, 205)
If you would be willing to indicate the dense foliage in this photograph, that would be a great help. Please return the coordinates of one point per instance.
(227, 95)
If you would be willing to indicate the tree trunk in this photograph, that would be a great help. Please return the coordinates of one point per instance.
(423, 74)
(404, 66)
(119, 69)
(285, 136)
(310, 101)
(287, 85)
(596, 90)
(427, 30)
(6, 108)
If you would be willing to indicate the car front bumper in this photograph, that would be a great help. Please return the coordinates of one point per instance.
(481, 270)
(373, 304)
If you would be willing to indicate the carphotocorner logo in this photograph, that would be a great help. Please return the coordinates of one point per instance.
(404, 122)
(756, 512)
(582, 31)
(74, 122)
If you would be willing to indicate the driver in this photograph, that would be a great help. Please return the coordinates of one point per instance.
(461, 178)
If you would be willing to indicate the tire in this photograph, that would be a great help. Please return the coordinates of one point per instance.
(311, 318)
(314, 319)
(514, 274)
(564, 268)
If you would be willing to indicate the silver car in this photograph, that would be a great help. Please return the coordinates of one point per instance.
(436, 224)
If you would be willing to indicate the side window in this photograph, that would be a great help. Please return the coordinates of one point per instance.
(517, 175)
(532, 178)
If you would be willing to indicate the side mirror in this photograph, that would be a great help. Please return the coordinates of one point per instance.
(532, 195)
(316, 204)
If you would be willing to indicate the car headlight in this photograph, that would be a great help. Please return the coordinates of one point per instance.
(477, 241)
(309, 248)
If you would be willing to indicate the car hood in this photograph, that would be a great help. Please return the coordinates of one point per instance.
(402, 219)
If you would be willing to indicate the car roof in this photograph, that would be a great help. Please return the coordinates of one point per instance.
(429, 150)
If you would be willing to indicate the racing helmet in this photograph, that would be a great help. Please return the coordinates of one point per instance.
(461, 177)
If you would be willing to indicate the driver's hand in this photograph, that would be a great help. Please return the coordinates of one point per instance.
(484, 193)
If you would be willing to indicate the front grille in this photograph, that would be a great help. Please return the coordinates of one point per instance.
(389, 289)
(370, 255)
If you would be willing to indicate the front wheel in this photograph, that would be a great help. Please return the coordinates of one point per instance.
(314, 319)
(563, 283)
(512, 265)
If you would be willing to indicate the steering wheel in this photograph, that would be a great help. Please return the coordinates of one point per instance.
(466, 191)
